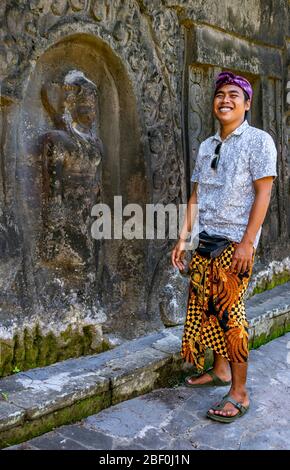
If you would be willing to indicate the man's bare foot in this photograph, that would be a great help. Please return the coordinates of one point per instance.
(229, 409)
(205, 378)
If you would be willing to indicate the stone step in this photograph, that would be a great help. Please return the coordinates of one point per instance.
(269, 314)
(35, 401)
(175, 418)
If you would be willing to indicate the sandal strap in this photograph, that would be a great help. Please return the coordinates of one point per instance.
(238, 405)
(226, 399)
(215, 378)
(213, 375)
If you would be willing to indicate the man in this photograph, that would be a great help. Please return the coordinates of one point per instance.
(233, 177)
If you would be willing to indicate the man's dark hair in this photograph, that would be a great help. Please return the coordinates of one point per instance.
(246, 96)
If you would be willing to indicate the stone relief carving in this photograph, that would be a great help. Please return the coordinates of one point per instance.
(10, 249)
(148, 39)
(287, 106)
(79, 5)
(59, 183)
(71, 175)
(59, 7)
(273, 229)
(166, 28)
(131, 37)
(200, 120)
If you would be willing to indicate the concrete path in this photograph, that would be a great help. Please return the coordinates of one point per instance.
(174, 418)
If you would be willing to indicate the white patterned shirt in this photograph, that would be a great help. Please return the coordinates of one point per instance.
(225, 195)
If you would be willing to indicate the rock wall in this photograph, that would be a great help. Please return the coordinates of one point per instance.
(143, 72)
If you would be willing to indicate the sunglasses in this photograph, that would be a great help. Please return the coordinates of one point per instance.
(215, 160)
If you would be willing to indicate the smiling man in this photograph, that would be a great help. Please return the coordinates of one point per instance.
(233, 177)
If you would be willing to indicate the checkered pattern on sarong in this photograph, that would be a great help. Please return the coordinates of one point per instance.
(225, 331)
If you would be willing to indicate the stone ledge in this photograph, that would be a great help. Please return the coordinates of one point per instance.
(269, 314)
(35, 401)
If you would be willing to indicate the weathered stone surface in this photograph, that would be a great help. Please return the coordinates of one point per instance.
(175, 418)
(169, 293)
(133, 425)
(265, 278)
(35, 347)
(104, 98)
(10, 415)
(69, 390)
(268, 314)
(258, 20)
(268, 302)
(23, 446)
(169, 340)
(39, 398)
(268, 329)
(59, 443)
(270, 439)
(216, 47)
(87, 437)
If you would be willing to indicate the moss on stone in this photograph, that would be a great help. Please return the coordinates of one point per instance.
(265, 338)
(30, 349)
(33, 349)
(287, 326)
(71, 344)
(105, 345)
(276, 280)
(49, 349)
(18, 352)
(88, 336)
(46, 423)
(6, 357)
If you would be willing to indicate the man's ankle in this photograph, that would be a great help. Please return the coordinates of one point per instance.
(239, 391)
(222, 370)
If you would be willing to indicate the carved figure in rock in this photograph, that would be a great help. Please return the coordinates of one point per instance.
(71, 176)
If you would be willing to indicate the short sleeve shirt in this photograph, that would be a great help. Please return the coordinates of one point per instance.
(225, 196)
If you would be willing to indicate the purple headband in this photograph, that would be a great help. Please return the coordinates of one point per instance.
(227, 78)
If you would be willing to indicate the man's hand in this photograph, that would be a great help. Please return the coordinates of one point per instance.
(178, 254)
(242, 258)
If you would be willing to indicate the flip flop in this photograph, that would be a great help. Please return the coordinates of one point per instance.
(214, 382)
(227, 419)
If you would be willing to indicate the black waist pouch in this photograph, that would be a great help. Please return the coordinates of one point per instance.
(211, 246)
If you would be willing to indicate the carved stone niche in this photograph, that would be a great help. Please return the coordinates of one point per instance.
(79, 144)
(12, 299)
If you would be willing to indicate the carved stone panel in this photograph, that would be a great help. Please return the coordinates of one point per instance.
(110, 97)
(74, 120)
(275, 227)
(200, 119)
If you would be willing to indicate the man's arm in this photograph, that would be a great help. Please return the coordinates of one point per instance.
(178, 251)
(242, 257)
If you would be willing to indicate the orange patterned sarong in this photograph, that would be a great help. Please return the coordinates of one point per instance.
(216, 316)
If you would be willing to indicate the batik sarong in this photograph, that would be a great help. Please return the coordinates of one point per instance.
(216, 316)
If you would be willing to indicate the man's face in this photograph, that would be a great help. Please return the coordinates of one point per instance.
(229, 104)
